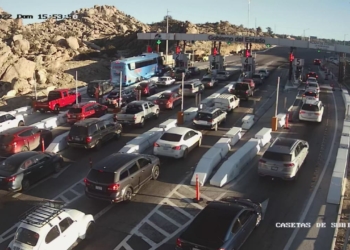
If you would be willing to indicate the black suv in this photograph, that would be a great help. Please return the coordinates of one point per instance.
(119, 176)
(93, 132)
(242, 90)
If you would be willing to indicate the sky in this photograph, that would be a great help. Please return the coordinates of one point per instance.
(321, 18)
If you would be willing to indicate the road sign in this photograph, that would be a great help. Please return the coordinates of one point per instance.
(159, 42)
(247, 60)
(298, 62)
(321, 47)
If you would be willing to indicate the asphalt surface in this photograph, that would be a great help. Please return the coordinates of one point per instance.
(115, 222)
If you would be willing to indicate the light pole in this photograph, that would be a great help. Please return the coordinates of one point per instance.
(345, 37)
(304, 32)
(248, 16)
(166, 41)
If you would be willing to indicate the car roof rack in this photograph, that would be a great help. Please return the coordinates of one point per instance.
(42, 214)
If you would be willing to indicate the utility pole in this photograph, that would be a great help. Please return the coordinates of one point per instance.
(166, 41)
(248, 14)
(255, 28)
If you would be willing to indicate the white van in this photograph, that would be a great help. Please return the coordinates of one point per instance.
(226, 102)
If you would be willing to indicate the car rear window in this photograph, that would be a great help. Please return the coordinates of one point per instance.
(54, 95)
(165, 96)
(204, 116)
(75, 110)
(310, 107)
(313, 94)
(188, 86)
(171, 137)
(101, 176)
(241, 86)
(312, 85)
(27, 236)
(257, 76)
(6, 139)
(163, 78)
(78, 131)
(144, 84)
(180, 71)
(133, 109)
(277, 156)
(206, 80)
(221, 73)
(10, 165)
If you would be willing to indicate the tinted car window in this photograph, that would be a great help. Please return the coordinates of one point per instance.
(54, 95)
(100, 176)
(165, 96)
(11, 164)
(310, 107)
(204, 116)
(188, 86)
(52, 235)
(241, 86)
(78, 131)
(133, 109)
(313, 94)
(75, 110)
(180, 71)
(277, 156)
(206, 80)
(171, 137)
(5, 139)
(27, 236)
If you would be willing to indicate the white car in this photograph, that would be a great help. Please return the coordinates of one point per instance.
(231, 86)
(311, 111)
(310, 94)
(9, 121)
(165, 81)
(312, 86)
(52, 227)
(177, 142)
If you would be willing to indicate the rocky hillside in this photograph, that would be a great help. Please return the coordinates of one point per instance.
(52, 52)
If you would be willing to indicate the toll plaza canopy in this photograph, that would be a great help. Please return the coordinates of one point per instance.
(243, 39)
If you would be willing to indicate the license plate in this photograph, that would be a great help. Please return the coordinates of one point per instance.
(274, 168)
(73, 116)
(77, 138)
(98, 188)
(309, 114)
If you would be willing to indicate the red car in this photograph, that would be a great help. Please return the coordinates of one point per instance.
(85, 110)
(147, 88)
(25, 138)
(317, 62)
(250, 81)
(168, 100)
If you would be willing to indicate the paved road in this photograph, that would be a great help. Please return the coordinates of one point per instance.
(68, 186)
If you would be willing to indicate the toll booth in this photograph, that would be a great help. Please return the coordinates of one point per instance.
(181, 60)
(216, 62)
(248, 66)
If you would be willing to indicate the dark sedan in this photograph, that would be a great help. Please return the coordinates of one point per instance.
(224, 224)
(20, 171)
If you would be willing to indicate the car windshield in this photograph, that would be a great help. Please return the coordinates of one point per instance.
(277, 156)
(143, 85)
(241, 86)
(26, 236)
(163, 79)
(165, 96)
(262, 71)
(312, 85)
(310, 107)
(100, 176)
(221, 73)
(204, 116)
(171, 137)
(75, 110)
(206, 80)
(78, 131)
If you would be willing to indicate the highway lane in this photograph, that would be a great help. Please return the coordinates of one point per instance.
(75, 172)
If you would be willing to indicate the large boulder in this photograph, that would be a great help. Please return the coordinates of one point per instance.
(41, 76)
(23, 68)
(72, 43)
(21, 46)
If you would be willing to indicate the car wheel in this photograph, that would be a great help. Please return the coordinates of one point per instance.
(142, 122)
(185, 154)
(24, 149)
(156, 115)
(216, 127)
(56, 109)
(155, 172)
(57, 167)
(117, 135)
(21, 123)
(127, 195)
(89, 230)
(25, 184)
(98, 145)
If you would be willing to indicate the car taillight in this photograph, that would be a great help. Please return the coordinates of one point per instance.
(228, 106)
(113, 187)
(10, 179)
(88, 139)
(178, 242)
(210, 121)
(156, 101)
(168, 102)
(289, 165)
(303, 95)
(69, 138)
(246, 92)
(177, 147)
(262, 161)
(317, 113)
(156, 145)
(135, 117)
(87, 182)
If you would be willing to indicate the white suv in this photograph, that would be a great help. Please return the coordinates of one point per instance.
(209, 118)
(311, 111)
(51, 227)
(310, 95)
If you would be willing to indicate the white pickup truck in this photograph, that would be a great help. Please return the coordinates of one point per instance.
(137, 112)
(52, 227)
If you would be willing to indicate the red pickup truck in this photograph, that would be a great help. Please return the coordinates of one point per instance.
(56, 100)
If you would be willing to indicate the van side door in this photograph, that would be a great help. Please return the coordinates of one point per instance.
(135, 175)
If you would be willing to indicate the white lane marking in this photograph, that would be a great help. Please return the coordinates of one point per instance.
(168, 202)
(103, 211)
(312, 197)
(161, 230)
(127, 247)
(168, 218)
(62, 171)
(149, 241)
(16, 195)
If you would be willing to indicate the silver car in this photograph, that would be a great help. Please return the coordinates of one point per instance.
(283, 158)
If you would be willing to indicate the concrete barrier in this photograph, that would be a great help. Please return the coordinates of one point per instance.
(155, 96)
(58, 144)
(346, 123)
(210, 160)
(336, 189)
(51, 122)
(342, 154)
(344, 142)
(345, 131)
(106, 117)
(39, 125)
(171, 123)
(231, 168)
(234, 134)
(264, 135)
(129, 149)
(190, 113)
(281, 120)
(247, 121)
(26, 110)
(144, 141)
(62, 117)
